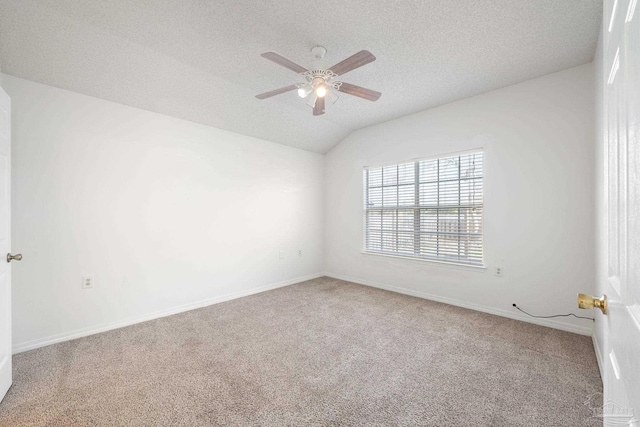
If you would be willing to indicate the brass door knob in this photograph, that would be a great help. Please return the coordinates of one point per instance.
(587, 301)
(17, 257)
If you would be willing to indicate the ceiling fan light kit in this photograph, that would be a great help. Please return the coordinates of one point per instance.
(321, 85)
(319, 82)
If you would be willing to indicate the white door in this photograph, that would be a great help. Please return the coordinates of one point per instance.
(5, 243)
(621, 327)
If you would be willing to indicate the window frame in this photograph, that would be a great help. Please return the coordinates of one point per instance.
(429, 259)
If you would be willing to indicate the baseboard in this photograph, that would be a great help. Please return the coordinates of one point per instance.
(587, 330)
(79, 333)
(596, 348)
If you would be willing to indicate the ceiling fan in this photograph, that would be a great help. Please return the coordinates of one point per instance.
(321, 85)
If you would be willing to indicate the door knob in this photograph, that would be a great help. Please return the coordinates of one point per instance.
(17, 257)
(587, 301)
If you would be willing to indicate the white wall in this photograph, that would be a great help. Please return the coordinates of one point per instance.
(538, 139)
(165, 214)
(1, 69)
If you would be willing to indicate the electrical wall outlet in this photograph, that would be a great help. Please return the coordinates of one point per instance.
(299, 252)
(499, 271)
(87, 282)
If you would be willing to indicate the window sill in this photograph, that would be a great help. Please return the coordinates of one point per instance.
(430, 261)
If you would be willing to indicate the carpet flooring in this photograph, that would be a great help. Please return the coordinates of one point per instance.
(319, 353)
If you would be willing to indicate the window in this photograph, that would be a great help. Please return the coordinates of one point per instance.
(428, 209)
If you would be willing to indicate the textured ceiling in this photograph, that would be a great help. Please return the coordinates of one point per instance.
(200, 59)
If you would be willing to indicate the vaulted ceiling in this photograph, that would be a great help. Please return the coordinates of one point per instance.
(200, 59)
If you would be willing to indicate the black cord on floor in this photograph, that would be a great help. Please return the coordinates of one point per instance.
(555, 315)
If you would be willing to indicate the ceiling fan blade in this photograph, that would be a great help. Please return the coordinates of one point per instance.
(281, 60)
(318, 109)
(360, 92)
(276, 92)
(354, 61)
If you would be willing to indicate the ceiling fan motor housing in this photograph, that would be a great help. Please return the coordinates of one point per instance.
(318, 77)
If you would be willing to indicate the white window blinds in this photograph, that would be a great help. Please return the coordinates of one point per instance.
(428, 209)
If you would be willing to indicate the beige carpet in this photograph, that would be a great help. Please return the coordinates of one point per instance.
(319, 353)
